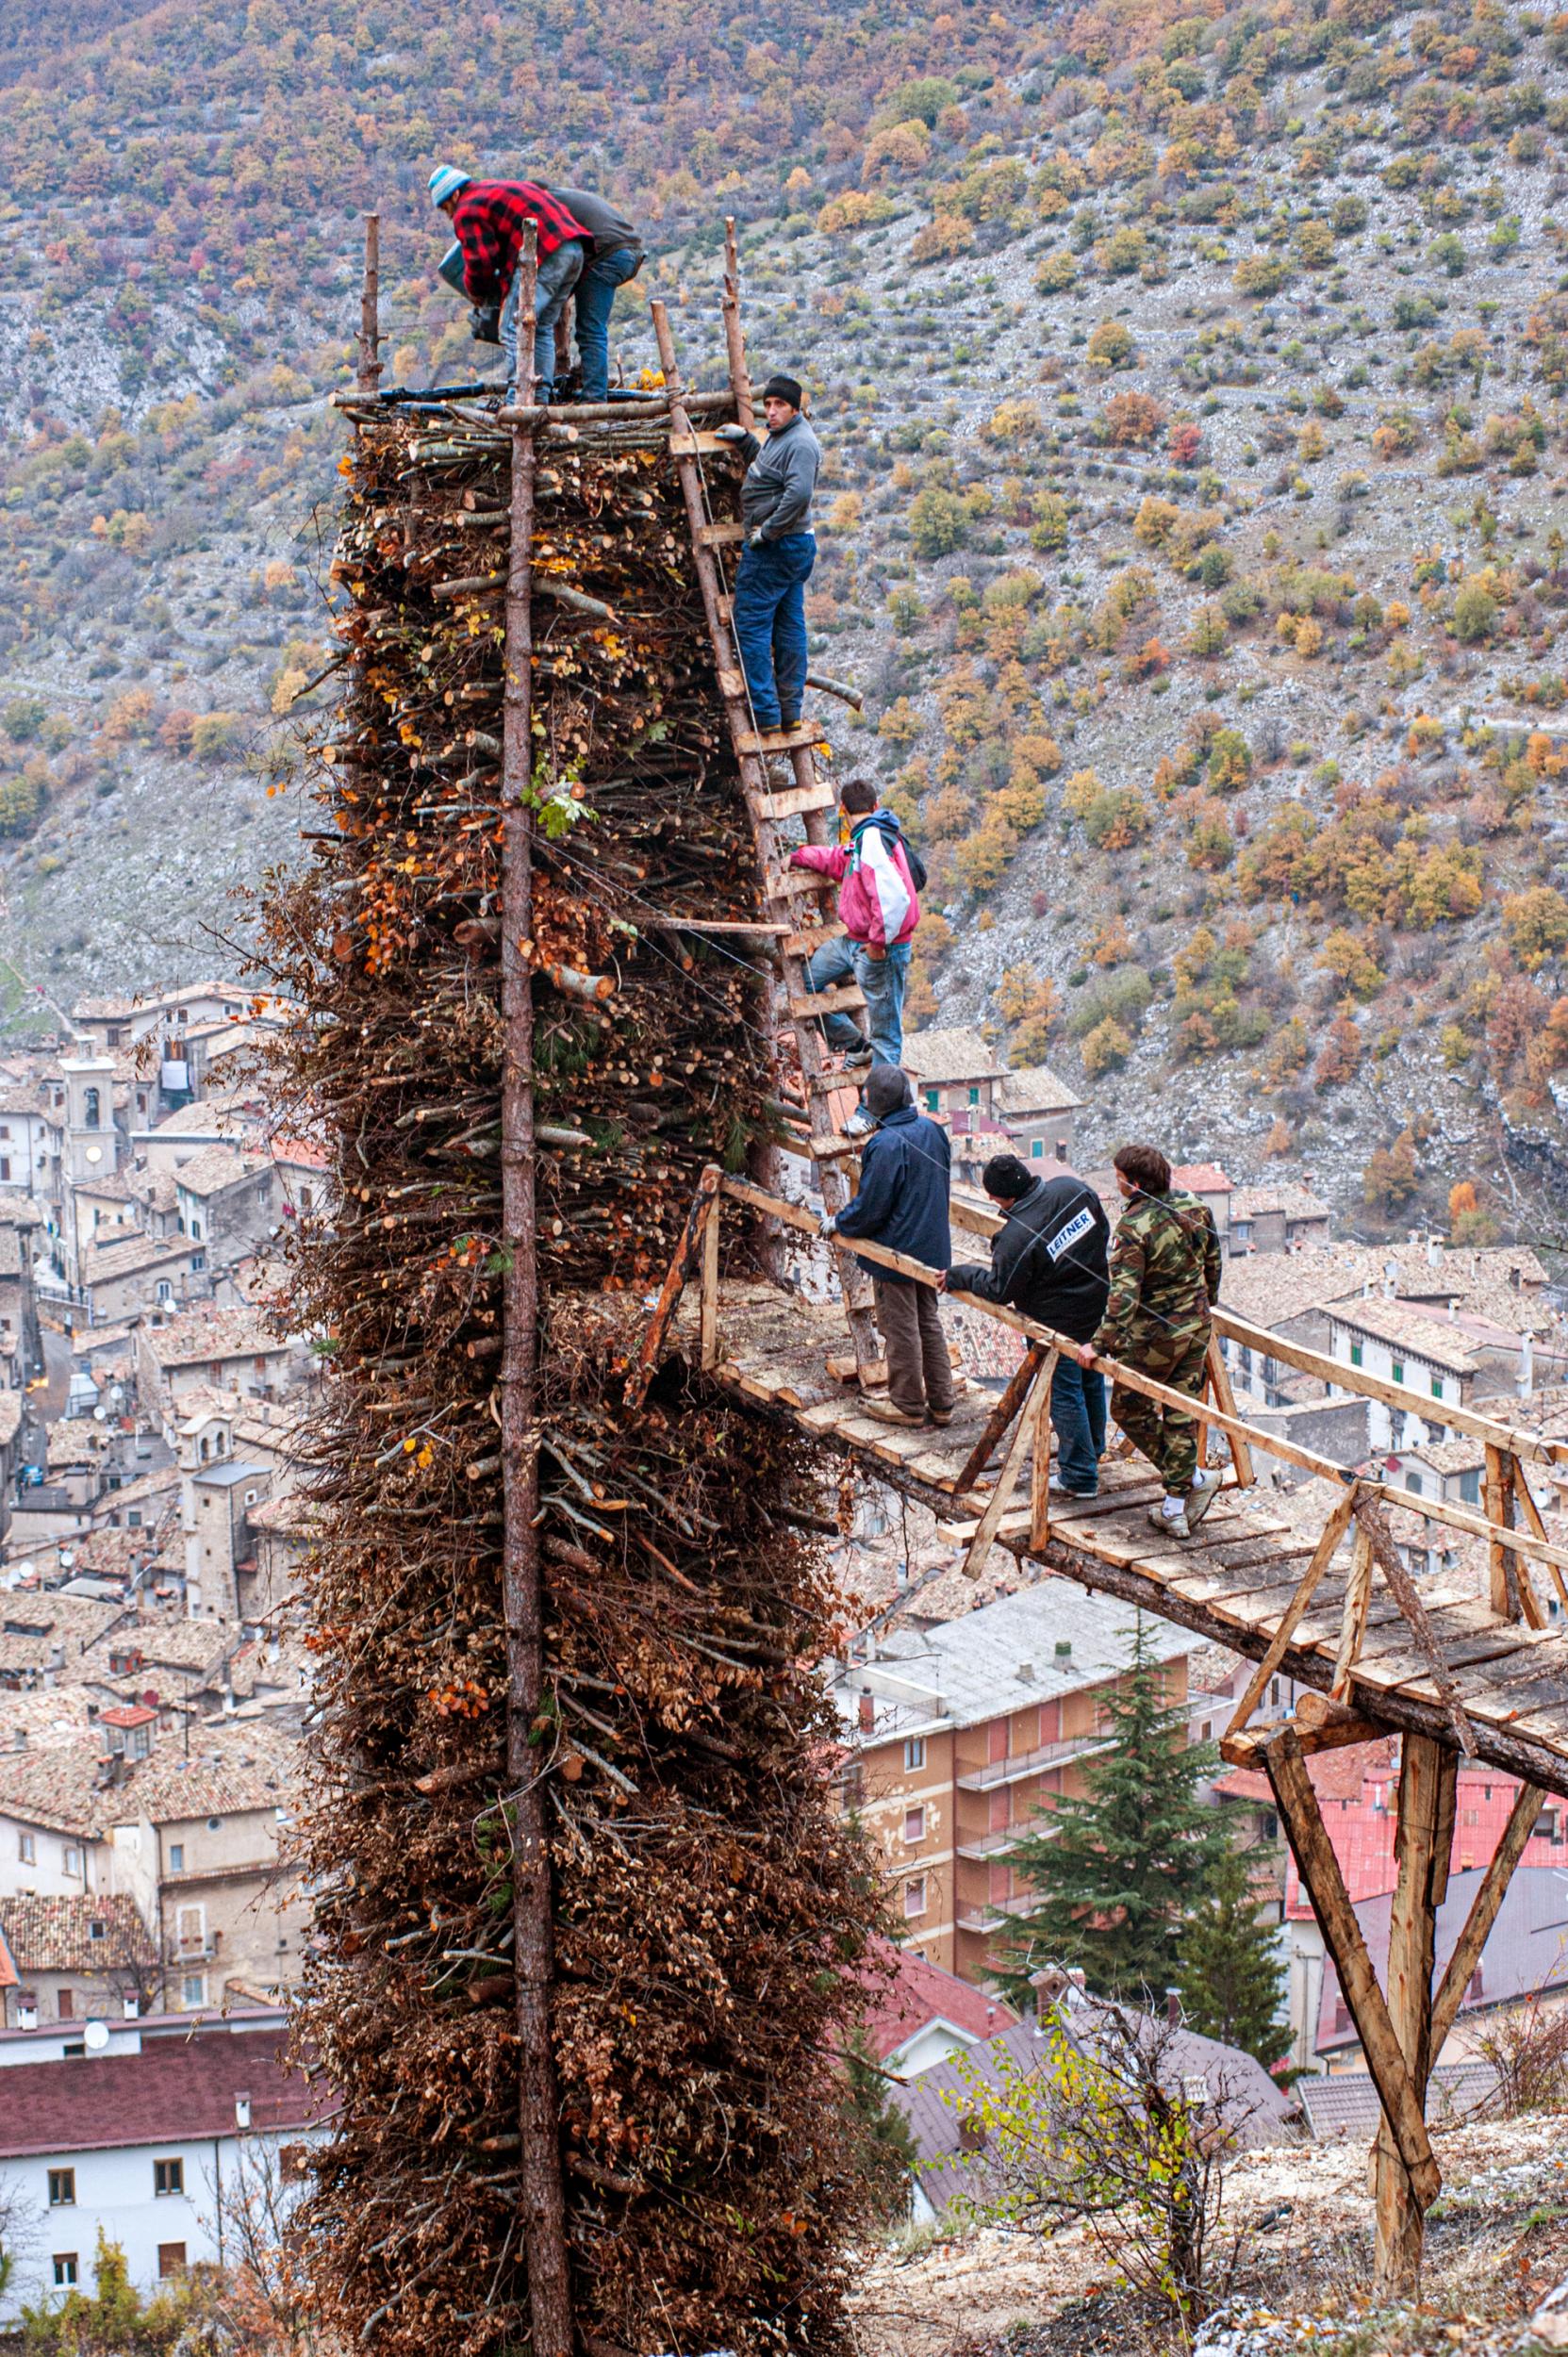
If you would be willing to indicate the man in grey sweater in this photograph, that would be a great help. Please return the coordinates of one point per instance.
(780, 551)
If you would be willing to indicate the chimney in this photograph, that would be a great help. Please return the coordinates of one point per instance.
(868, 1712)
(1434, 1250)
(242, 2112)
(26, 2013)
(1063, 1648)
(1026, 1673)
(133, 2008)
(1515, 1275)
(1172, 2008)
(1526, 1365)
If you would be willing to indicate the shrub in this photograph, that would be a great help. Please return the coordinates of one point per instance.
(1111, 346)
(1537, 924)
(856, 209)
(944, 236)
(901, 723)
(1112, 816)
(23, 719)
(1056, 273)
(1341, 1052)
(1012, 422)
(1261, 275)
(1396, 434)
(1206, 636)
(1132, 421)
(1050, 527)
(1106, 1048)
(1348, 958)
(1391, 1177)
(983, 859)
(938, 522)
(1314, 245)
(213, 734)
(1475, 612)
(21, 801)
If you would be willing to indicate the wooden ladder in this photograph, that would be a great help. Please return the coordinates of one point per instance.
(794, 896)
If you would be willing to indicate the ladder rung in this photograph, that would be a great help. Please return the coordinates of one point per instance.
(731, 682)
(799, 884)
(691, 445)
(802, 945)
(830, 1083)
(832, 1149)
(848, 998)
(795, 801)
(719, 535)
(724, 608)
(780, 740)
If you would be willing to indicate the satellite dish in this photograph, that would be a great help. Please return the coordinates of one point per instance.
(95, 2037)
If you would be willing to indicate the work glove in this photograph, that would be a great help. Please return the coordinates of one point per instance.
(827, 1226)
(485, 323)
(758, 537)
(732, 432)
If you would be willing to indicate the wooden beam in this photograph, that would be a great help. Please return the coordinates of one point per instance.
(1039, 1496)
(1526, 1496)
(1358, 1595)
(1423, 1840)
(1503, 1584)
(1529, 1445)
(1219, 1382)
(708, 1314)
(1007, 1407)
(1483, 1913)
(1328, 1546)
(1315, 1854)
(1337, 1734)
(1371, 1518)
(697, 1218)
(1007, 1480)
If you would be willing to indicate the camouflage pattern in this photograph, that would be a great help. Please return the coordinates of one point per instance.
(1164, 1275)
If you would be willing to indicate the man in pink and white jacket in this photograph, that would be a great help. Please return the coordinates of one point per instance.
(877, 905)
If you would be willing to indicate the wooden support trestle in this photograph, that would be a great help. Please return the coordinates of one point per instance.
(809, 799)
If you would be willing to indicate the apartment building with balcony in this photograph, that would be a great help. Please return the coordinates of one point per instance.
(957, 1735)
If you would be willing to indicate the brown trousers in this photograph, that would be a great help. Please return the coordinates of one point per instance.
(919, 1372)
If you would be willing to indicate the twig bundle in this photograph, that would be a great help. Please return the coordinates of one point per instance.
(709, 1908)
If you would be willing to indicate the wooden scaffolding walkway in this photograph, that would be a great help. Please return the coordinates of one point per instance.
(1339, 1613)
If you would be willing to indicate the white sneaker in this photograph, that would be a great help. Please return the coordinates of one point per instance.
(1169, 1525)
(1205, 1490)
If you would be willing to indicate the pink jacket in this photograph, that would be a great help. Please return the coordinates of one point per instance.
(877, 902)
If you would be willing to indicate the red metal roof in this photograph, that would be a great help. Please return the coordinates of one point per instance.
(919, 1993)
(173, 2092)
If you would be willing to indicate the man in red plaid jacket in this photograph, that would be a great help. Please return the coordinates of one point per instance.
(489, 217)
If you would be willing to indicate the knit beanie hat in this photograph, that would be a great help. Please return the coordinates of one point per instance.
(886, 1091)
(784, 388)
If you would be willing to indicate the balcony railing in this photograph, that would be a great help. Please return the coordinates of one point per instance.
(1020, 1764)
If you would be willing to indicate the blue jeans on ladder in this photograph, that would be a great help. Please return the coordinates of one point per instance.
(882, 980)
(770, 623)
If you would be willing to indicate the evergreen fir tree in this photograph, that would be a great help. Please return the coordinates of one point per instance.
(1233, 1974)
(887, 2153)
(1119, 1865)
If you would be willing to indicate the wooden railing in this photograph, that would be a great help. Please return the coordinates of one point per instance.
(1360, 1507)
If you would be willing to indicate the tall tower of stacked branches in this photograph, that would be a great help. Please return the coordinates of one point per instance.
(586, 1936)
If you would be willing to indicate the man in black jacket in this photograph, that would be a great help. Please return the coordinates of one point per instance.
(1049, 1262)
(906, 1177)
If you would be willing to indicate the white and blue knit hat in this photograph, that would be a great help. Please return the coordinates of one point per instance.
(445, 181)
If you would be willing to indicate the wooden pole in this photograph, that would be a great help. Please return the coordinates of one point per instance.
(1422, 1844)
(1483, 1913)
(1502, 1579)
(1039, 1490)
(1322, 1555)
(735, 340)
(1219, 1383)
(1342, 1936)
(543, 2201)
(370, 307)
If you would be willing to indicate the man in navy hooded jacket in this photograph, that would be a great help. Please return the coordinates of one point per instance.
(905, 1184)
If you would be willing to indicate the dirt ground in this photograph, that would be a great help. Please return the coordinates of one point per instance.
(1497, 2243)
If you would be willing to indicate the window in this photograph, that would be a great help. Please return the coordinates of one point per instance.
(97, 1929)
(915, 1824)
(1470, 1485)
(1437, 1386)
(26, 1849)
(133, 1518)
(1038, 1150)
(1397, 1370)
(214, 1824)
(974, 1096)
(171, 2258)
(193, 1990)
(65, 2267)
(915, 1753)
(90, 1119)
(177, 1857)
(1271, 1826)
(65, 2004)
(5, 1169)
(914, 1896)
(72, 1860)
(190, 1927)
(167, 2177)
(1413, 1483)
(62, 2188)
(1355, 1354)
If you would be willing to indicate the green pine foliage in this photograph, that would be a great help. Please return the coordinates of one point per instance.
(886, 2154)
(1232, 1976)
(1120, 1867)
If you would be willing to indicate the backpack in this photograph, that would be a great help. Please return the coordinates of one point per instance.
(886, 819)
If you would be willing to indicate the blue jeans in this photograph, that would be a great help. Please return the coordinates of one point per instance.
(883, 980)
(1078, 1411)
(557, 275)
(770, 623)
(596, 293)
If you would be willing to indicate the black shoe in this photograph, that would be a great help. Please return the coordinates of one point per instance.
(789, 719)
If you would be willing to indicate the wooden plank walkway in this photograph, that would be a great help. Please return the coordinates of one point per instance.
(1231, 1584)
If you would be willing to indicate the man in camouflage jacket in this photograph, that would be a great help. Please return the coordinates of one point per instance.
(1164, 1279)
